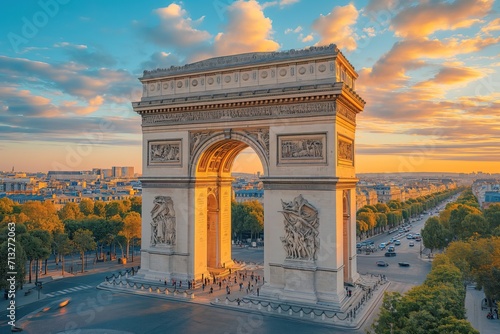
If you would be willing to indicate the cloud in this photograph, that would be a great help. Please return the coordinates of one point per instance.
(69, 78)
(176, 29)
(369, 31)
(296, 30)
(455, 75)
(247, 30)
(411, 54)
(83, 56)
(284, 3)
(491, 26)
(70, 129)
(20, 103)
(378, 5)
(428, 17)
(336, 27)
(160, 60)
(308, 38)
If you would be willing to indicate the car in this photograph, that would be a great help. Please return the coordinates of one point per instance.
(412, 244)
(390, 254)
(382, 245)
(358, 245)
(391, 249)
(403, 264)
(418, 238)
(382, 264)
(409, 236)
(397, 242)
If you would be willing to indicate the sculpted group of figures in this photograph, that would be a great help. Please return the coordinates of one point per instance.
(163, 221)
(301, 239)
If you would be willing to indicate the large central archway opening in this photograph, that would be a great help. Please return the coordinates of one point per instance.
(214, 194)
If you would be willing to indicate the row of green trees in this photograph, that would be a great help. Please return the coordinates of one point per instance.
(374, 219)
(461, 221)
(42, 230)
(247, 219)
(435, 307)
(472, 241)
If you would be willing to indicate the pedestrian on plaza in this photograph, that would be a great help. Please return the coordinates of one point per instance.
(211, 290)
(257, 292)
(220, 285)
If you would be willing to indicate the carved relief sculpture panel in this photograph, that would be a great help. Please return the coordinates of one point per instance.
(164, 152)
(305, 148)
(301, 240)
(163, 222)
(345, 151)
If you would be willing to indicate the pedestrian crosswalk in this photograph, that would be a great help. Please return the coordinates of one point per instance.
(70, 290)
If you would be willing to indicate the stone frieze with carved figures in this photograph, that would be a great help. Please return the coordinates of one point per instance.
(163, 223)
(301, 239)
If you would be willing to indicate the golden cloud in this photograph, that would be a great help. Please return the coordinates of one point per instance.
(429, 17)
(248, 30)
(336, 27)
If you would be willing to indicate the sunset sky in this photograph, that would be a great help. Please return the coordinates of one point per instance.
(429, 72)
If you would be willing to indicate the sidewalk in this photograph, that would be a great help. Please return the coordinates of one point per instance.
(477, 316)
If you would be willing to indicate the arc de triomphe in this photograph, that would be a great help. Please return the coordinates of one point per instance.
(297, 110)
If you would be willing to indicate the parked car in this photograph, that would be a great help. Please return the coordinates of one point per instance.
(418, 238)
(403, 264)
(382, 264)
(390, 254)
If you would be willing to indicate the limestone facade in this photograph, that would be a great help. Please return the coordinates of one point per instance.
(297, 110)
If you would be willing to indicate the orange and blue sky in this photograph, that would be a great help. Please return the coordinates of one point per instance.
(429, 71)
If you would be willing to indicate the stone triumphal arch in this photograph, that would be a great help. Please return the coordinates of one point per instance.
(297, 110)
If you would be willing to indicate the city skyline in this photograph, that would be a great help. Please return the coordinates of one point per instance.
(427, 70)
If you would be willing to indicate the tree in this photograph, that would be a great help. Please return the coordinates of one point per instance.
(361, 227)
(492, 215)
(6, 261)
(34, 248)
(381, 219)
(382, 207)
(460, 254)
(41, 216)
(474, 224)
(131, 228)
(136, 203)
(63, 246)
(369, 218)
(6, 207)
(46, 239)
(83, 241)
(70, 210)
(255, 222)
(457, 217)
(434, 235)
(86, 206)
(432, 308)
(247, 217)
(115, 208)
(100, 209)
